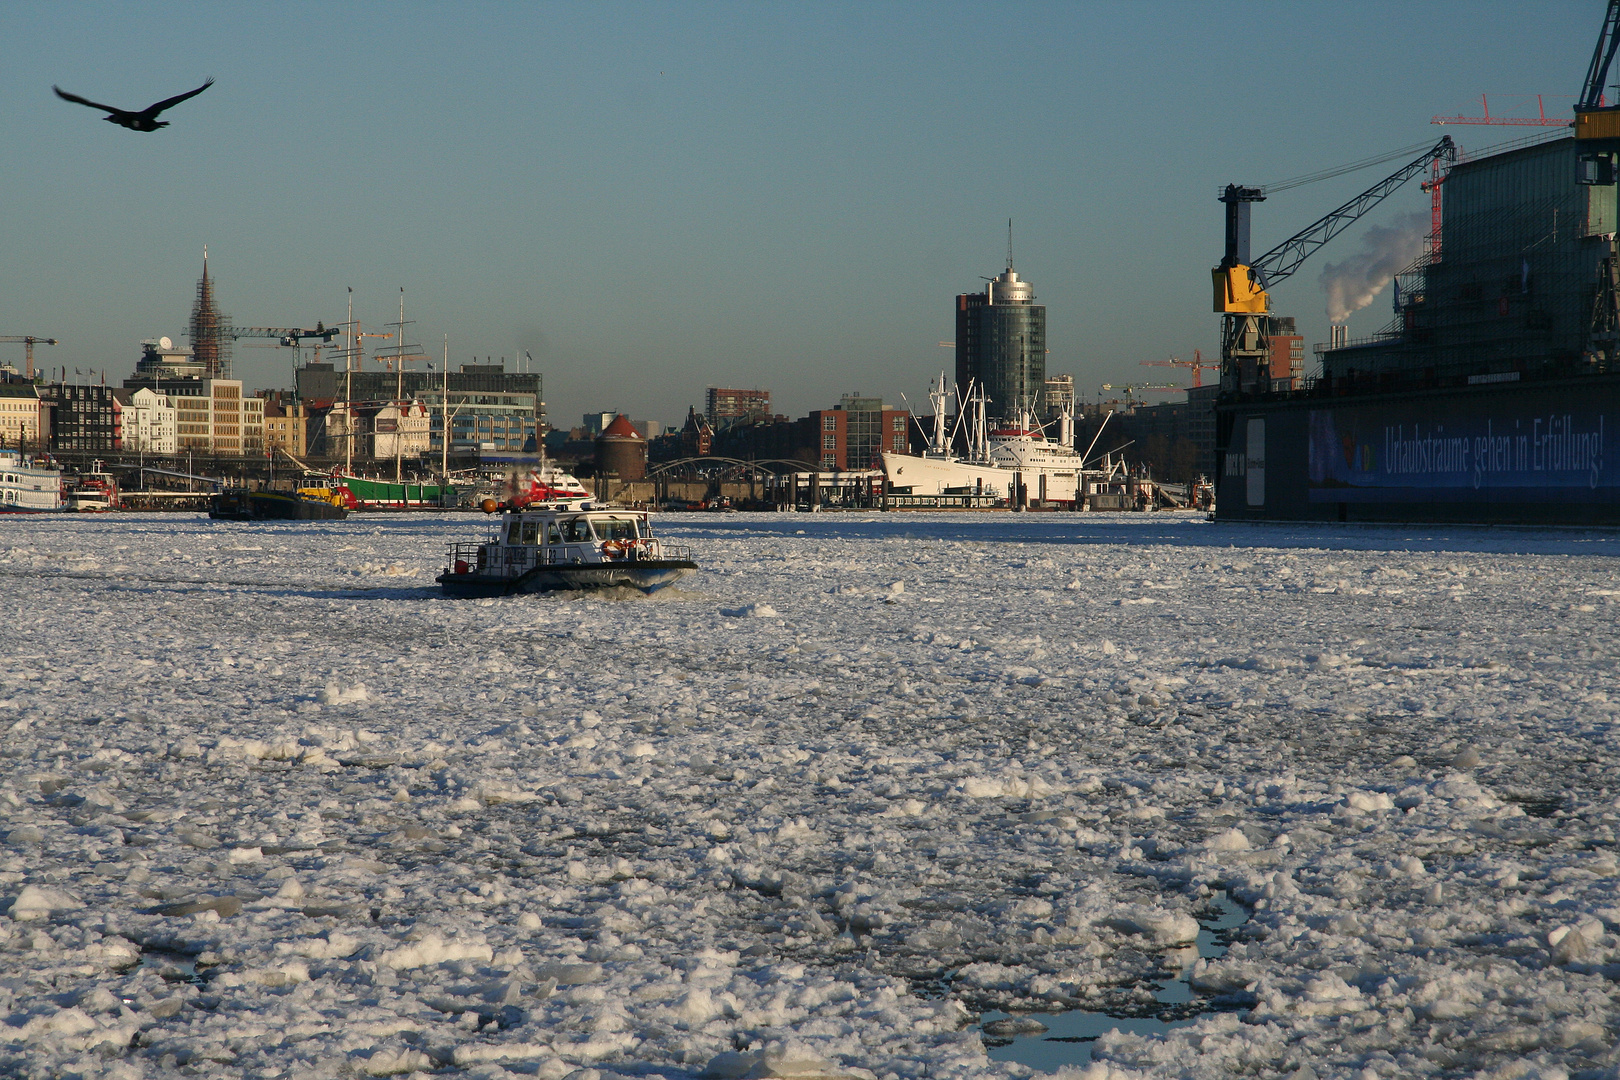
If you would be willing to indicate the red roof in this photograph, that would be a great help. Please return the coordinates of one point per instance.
(621, 428)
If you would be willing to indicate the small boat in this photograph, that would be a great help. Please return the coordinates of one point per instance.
(93, 492)
(28, 488)
(570, 544)
(240, 504)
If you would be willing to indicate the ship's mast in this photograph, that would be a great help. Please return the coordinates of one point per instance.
(348, 391)
(938, 397)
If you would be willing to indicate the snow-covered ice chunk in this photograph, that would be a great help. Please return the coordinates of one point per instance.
(433, 949)
(337, 694)
(1161, 927)
(1227, 840)
(750, 611)
(37, 902)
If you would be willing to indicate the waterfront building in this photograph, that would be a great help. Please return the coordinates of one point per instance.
(597, 422)
(1057, 397)
(400, 429)
(25, 417)
(697, 437)
(211, 415)
(724, 407)
(82, 417)
(490, 409)
(856, 432)
(286, 424)
(1001, 343)
(149, 425)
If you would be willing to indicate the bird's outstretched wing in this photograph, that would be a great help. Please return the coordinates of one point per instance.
(169, 103)
(77, 100)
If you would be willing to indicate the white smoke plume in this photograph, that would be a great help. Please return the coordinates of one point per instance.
(1386, 250)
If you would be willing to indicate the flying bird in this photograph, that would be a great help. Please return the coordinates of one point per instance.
(145, 120)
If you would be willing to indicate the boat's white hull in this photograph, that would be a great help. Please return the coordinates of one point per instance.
(952, 476)
(28, 489)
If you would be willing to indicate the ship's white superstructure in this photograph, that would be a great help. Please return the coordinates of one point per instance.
(1000, 459)
(27, 488)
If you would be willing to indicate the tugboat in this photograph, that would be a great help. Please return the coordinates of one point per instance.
(568, 544)
(240, 504)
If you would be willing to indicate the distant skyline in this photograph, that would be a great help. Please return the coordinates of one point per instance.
(656, 199)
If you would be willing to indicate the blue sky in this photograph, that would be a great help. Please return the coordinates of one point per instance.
(654, 198)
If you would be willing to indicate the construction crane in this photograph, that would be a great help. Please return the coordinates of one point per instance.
(1242, 295)
(1130, 388)
(1541, 119)
(1197, 364)
(28, 341)
(286, 336)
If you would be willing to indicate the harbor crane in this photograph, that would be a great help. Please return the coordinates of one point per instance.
(1597, 124)
(28, 341)
(1242, 285)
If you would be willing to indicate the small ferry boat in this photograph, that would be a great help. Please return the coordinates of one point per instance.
(93, 492)
(27, 488)
(569, 544)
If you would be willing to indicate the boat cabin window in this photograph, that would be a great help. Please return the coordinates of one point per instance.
(616, 529)
(531, 532)
(553, 534)
(514, 531)
(577, 531)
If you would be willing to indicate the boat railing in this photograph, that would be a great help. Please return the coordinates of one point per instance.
(515, 560)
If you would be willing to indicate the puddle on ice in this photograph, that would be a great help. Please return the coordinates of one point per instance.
(1070, 1035)
(170, 965)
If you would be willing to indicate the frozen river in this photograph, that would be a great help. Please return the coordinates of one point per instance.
(273, 808)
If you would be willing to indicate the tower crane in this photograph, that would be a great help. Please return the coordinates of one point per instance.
(1131, 388)
(1197, 364)
(287, 337)
(28, 341)
(1242, 286)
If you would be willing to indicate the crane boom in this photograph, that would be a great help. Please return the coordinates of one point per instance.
(1281, 261)
(1241, 287)
(1597, 126)
(1597, 72)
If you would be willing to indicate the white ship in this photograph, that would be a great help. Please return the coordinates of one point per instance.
(1000, 459)
(27, 488)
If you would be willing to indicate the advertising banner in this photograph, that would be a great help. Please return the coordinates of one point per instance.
(1491, 448)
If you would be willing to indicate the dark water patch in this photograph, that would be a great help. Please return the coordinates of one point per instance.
(1537, 806)
(169, 965)
(1068, 1037)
